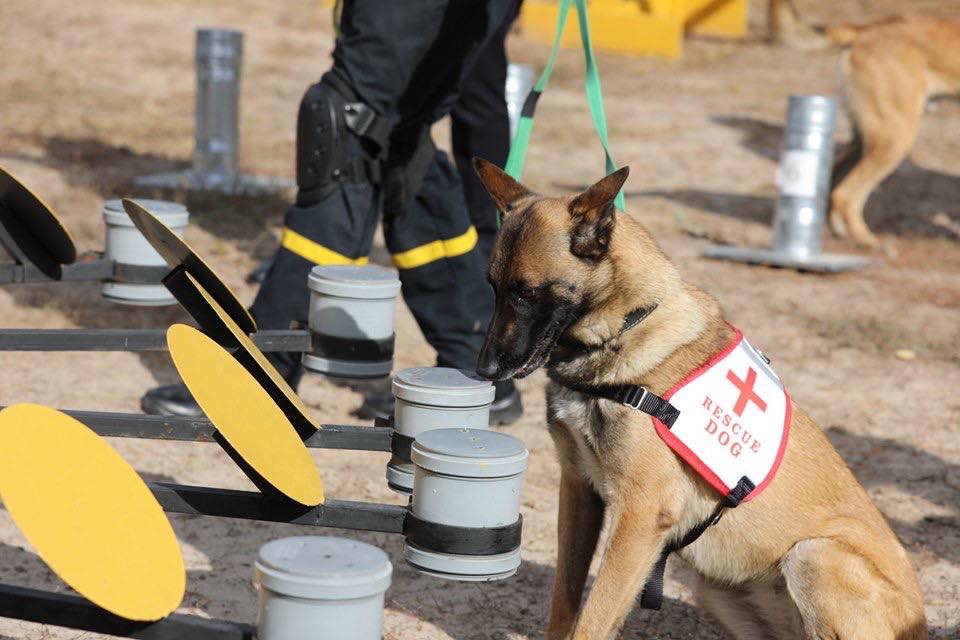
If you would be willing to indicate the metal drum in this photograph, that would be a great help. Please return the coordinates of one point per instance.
(126, 246)
(321, 587)
(351, 320)
(467, 481)
(433, 398)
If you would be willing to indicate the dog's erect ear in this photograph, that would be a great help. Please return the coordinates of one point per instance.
(593, 217)
(504, 190)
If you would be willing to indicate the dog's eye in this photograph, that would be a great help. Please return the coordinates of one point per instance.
(527, 293)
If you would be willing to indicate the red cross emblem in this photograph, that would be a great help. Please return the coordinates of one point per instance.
(747, 394)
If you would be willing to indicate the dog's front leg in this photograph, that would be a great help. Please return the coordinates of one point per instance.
(578, 528)
(638, 528)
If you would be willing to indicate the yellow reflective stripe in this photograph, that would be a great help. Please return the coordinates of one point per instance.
(314, 251)
(432, 251)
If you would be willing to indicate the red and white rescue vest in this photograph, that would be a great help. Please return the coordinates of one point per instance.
(734, 419)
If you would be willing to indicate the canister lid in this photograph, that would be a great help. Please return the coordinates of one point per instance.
(442, 386)
(323, 568)
(173, 214)
(469, 453)
(368, 282)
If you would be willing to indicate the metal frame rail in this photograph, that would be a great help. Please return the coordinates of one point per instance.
(131, 340)
(74, 612)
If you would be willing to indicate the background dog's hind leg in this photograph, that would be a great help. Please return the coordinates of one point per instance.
(840, 594)
(848, 155)
(885, 100)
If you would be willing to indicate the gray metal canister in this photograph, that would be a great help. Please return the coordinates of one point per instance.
(321, 588)
(519, 83)
(351, 320)
(435, 398)
(803, 176)
(125, 245)
(466, 478)
(219, 54)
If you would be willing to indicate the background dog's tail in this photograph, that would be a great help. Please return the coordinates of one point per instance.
(787, 28)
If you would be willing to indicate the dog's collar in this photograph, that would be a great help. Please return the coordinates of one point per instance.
(630, 320)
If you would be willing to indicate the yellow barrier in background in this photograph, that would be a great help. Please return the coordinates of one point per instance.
(642, 27)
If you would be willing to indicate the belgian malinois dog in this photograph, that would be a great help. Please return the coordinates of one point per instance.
(888, 71)
(810, 557)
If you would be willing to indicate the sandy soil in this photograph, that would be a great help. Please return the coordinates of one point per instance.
(96, 93)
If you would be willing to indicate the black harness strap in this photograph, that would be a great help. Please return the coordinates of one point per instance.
(652, 596)
(633, 396)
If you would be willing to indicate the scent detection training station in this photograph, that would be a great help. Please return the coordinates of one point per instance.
(103, 529)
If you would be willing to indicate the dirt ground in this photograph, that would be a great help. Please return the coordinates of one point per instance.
(93, 94)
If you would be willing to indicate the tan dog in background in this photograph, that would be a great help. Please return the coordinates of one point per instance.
(888, 70)
(810, 557)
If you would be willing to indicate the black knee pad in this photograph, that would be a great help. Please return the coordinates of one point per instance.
(338, 140)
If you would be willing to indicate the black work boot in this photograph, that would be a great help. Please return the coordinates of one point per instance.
(170, 400)
(506, 408)
(176, 399)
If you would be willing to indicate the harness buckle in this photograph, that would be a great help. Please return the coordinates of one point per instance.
(635, 397)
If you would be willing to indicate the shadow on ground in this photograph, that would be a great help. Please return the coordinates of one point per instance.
(882, 461)
(111, 170)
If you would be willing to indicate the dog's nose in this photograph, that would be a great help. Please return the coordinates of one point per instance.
(487, 365)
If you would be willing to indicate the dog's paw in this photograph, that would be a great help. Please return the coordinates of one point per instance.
(889, 249)
(838, 226)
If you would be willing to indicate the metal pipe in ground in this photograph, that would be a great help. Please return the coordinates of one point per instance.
(219, 56)
(520, 79)
(803, 179)
(219, 60)
(804, 176)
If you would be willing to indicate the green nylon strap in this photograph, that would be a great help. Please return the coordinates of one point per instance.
(518, 150)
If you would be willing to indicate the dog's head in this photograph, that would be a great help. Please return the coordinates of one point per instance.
(547, 268)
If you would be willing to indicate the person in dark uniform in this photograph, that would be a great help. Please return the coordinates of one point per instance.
(364, 147)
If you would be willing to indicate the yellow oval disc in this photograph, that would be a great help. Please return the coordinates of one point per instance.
(177, 252)
(245, 415)
(257, 364)
(88, 513)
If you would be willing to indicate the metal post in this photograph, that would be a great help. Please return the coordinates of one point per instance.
(519, 83)
(803, 178)
(219, 55)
